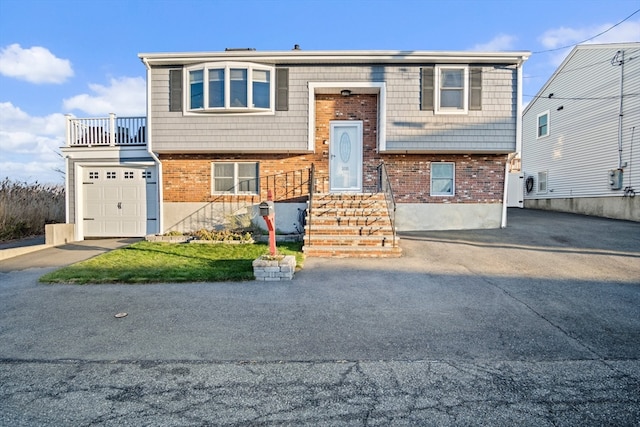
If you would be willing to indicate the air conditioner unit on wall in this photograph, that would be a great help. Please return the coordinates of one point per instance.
(615, 179)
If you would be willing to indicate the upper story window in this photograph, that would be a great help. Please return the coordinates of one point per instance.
(451, 96)
(230, 87)
(451, 89)
(543, 124)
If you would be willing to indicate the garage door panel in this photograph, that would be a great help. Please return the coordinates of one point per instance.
(117, 201)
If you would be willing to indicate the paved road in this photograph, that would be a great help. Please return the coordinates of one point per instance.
(536, 324)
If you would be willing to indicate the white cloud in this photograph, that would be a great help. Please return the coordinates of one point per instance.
(30, 145)
(561, 37)
(498, 43)
(125, 96)
(35, 65)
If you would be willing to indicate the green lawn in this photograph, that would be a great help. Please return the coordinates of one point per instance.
(152, 262)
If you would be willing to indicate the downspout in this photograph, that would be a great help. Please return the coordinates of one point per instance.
(518, 143)
(621, 113)
(150, 150)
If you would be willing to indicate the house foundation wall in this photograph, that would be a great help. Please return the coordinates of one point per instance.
(425, 217)
(186, 217)
(626, 208)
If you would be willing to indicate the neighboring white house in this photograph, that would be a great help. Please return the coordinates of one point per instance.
(581, 135)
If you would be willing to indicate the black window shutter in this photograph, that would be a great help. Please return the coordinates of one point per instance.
(282, 89)
(427, 89)
(175, 90)
(475, 88)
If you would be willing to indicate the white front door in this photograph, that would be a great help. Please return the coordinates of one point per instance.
(345, 156)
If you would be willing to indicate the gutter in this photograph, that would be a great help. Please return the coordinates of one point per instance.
(155, 158)
(339, 57)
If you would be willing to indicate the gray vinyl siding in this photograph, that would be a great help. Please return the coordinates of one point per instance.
(582, 145)
(491, 129)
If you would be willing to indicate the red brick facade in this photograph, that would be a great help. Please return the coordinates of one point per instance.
(478, 178)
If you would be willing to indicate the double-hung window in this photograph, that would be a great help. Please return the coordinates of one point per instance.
(451, 95)
(228, 87)
(234, 178)
(442, 179)
(451, 89)
(543, 124)
(542, 182)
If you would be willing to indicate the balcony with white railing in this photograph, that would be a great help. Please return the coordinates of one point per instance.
(106, 131)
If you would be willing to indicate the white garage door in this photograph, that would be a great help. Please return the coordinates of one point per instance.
(119, 201)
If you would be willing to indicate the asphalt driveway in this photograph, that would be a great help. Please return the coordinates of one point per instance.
(537, 324)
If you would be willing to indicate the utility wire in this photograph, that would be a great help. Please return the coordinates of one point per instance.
(586, 40)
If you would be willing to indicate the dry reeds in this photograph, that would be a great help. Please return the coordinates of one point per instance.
(26, 208)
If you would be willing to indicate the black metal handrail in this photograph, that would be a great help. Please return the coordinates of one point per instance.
(289, 186)
(384, 186)
(312, 179)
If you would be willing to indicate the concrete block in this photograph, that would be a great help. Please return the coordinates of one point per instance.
(59, 234)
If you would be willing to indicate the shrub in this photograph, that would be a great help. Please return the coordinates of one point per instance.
(26, 208)
(221, 235)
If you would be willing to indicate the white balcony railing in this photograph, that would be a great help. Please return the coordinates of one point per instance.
(109, 131)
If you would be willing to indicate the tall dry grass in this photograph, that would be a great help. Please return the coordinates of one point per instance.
(26, 208)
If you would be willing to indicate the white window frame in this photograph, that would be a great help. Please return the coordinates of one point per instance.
(453, 180)
(538, 135)
(543, 177)
(227, 67)
(438, 109)
(235, 190)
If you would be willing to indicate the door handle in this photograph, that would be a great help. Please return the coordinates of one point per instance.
(119, 205)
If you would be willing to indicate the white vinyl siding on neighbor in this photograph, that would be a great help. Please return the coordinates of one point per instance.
(583, 142)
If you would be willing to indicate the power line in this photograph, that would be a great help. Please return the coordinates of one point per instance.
(586, 98)
(589, 39)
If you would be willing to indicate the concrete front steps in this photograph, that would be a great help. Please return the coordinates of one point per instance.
(353, 225)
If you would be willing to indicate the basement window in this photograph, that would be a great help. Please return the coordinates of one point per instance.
(234, 178)
(442, 179)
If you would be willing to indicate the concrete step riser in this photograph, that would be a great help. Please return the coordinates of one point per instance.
(349, 225)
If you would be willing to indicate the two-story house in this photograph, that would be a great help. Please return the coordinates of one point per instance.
(430, 130)
(581, 133)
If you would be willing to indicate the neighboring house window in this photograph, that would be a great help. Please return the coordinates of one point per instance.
(543, 124)
(542, 182)
(442, 179)
(451, 89)
(234, 178)
(230, 87)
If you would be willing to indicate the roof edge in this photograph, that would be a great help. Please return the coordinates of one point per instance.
(338, 56)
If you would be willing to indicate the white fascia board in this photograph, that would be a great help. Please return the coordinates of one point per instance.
(105, 152)
(365, 57)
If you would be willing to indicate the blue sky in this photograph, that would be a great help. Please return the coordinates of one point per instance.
(80, 56)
